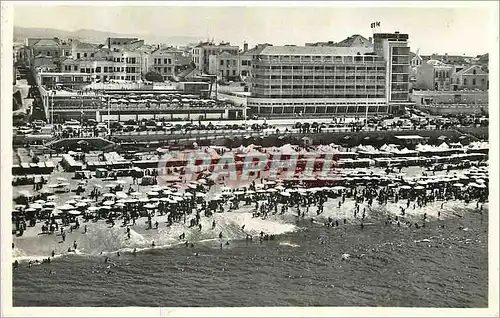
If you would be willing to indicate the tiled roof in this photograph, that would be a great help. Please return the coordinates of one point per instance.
(355, 40)
(314, 50)
(85, 45)
(223, 54)
(467, 69)
(46, 42)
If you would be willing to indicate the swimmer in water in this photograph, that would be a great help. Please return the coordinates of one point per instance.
(153, 244)
(220, 235)
(118, 254)
(213, 225)
(135, 251)
(192, 245)
(227, 243)
(53, 253)
(243, 227)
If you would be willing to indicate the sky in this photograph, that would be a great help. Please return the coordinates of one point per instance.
(465, 28)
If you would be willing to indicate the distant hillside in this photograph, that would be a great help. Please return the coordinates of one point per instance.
(93, 36)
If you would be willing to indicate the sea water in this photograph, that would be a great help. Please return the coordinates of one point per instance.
(304, 266)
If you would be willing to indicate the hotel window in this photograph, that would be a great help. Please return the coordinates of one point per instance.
(473, 81)
(77, 55)
(98, 69)
(84, 54)
(221, 62)
(474, 72)
(465, 81)
(76, 67)
(165, 70)
(91, 54)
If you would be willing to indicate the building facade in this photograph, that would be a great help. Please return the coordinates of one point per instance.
(434, 75)
(225, 65)
(165, 61)
(471, 77)
(201, 53)
(327, 80)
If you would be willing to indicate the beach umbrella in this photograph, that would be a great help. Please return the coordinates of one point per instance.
(252, 192)
(152, 193)
(202, 181)
(285, 194)
(40, 201)
(458, 185)
(98, 186)
(109, 185)
(105, 207)
(50, 204)
(135, 194)
(61, 179)
(337, 188)
(187, 194)
(121, 195)
(143, 200)
(74, 212)
(121, 205)
(405, 187)
(108, 195)
(30, 210)
(200, 195)
(76, 197)
(422, 182)
(270, 190)
(65, 207)
(108, 202)
(150, 206)
(477, 180)
(81, 204)
(72, 202)
(419, 188)
(192, 186)
(166, 191)
(93, 208)
(120, 181)
(156, 189)
(87, 200)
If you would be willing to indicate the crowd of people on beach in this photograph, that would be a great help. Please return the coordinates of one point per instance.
(269, 198)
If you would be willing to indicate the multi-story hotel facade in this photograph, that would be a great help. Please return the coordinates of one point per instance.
(326, 80)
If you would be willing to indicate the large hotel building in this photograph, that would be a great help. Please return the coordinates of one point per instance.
(331, 80)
